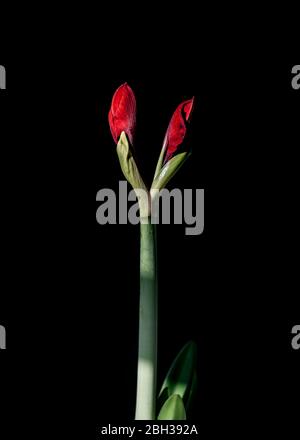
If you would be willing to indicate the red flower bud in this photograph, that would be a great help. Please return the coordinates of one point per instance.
(122, 114)
(177, 128)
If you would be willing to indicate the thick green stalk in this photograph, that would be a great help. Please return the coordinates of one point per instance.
(147, 355)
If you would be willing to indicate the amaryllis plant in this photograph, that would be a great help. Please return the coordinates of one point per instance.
(176, 394)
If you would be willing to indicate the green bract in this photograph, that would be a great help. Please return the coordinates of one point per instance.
(128, 164)
(169, 170)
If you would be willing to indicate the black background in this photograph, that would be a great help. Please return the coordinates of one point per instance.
(70, 301)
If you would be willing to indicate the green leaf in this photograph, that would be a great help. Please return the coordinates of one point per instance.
(169, 170)
(192, 392)
(180, 378)
(128, 164)
(173, 409)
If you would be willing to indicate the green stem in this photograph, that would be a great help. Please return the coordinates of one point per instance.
(147, 356)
